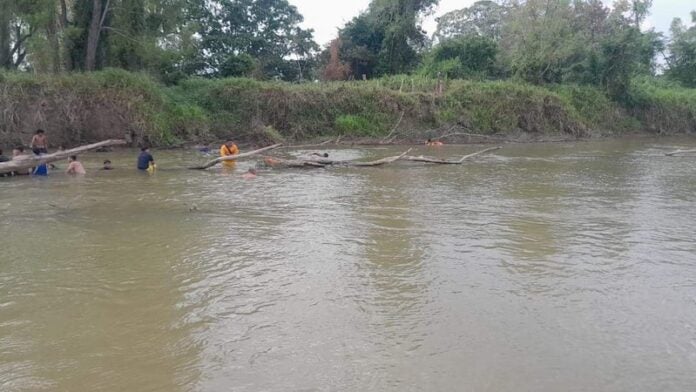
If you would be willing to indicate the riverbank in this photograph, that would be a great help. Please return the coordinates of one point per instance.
(81, 108)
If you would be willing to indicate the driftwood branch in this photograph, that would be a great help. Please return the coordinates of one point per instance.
(450, 162)
(379, 162)
(323, 162)
(388, 138)
(673, 153)
(235, 157)
(32, 161)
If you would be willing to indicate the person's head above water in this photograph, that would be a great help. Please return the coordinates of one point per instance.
(252, 171)
(72, 158)
(107, 164)
(40, 132)
(19, 150)
(230, 143)
(145, 149)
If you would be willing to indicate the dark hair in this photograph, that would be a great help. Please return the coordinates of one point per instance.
(0, 151)
(326, 155)
(430, 140)
(38, 131)
(73, 157)
(107, 161)
(144, 148)
(19, 148)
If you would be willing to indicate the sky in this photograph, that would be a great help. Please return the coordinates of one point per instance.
(326, 16)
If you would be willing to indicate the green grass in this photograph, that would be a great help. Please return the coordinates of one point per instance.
(112, 102)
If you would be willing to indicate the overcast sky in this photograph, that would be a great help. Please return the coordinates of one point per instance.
(326, 16)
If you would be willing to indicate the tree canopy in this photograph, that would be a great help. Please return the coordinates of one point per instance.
(535, 41)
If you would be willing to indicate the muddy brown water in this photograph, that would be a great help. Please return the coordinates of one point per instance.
(552, 267)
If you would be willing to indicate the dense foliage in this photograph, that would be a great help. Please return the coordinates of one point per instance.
(541, 42)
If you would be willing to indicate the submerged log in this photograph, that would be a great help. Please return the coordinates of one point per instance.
(450, 162)
(323, 162)
(234, 157)
(29, 161)
(673, 153)
(378, 162)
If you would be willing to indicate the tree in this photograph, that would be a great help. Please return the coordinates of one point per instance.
(387, 38)
(682, 52)
(335, 69)
(470, 56)
(580, 41)
(267, 30)
(483, 18)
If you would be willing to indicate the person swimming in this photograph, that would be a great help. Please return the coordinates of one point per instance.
(250, 174)
(434, 143)
(107, 165)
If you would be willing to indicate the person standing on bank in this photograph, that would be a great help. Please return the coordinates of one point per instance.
(145, 159)
(39, 142)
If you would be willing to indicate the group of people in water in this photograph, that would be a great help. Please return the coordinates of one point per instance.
(145, 161)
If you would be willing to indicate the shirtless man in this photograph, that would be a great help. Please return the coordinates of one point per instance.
(39, 143)
(75, 167)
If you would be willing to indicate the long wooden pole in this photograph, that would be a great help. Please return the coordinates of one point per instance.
(673, 153)
(235, 157)
(448, 162)
(29, 161)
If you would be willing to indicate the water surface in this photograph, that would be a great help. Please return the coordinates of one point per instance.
(556, 267)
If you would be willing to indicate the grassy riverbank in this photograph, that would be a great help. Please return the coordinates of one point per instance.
(85, 107)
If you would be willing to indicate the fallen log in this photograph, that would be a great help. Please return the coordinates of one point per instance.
(450, 162)
(323, 162)
(378, 162)
(234, 157)
(29, 161)
(673, 153)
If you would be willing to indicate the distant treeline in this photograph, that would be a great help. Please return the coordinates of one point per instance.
(178, 70)
(536, 41)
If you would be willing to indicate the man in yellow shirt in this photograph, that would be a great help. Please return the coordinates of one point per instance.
(226, 150)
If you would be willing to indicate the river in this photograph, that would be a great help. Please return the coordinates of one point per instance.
(540, 267)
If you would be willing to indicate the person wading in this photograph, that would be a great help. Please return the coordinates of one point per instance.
(226, 150)
(39, 143)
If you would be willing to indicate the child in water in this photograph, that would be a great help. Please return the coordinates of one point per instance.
(434, 143)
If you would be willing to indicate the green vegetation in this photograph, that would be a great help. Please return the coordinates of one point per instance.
(113, 102)
(168, 71)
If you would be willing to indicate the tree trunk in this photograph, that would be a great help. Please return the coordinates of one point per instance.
(93, 36)
(234, 157)
(5, 57)
(33, 161)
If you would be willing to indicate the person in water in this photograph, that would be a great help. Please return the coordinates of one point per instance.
(226, 150)
(39, 142)
(41, 169)
(107, 165)
(249, 175)
(74, 166)
(18, 154)
(145, 159)
(434, 143)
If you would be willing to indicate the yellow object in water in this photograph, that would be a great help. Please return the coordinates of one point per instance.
(151, 168)
(226, 151)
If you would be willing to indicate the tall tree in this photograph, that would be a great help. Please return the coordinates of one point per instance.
(387, 38)
(267, 30)
(483, 18)
(682, 52)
